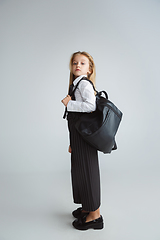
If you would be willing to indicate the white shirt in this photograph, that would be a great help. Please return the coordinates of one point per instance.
(84, 95)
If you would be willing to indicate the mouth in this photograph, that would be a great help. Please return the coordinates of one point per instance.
(77, 69)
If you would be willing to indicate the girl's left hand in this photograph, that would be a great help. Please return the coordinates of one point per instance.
(66, 100)
(69, 149)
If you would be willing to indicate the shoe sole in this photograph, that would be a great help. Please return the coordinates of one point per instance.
(98, 226)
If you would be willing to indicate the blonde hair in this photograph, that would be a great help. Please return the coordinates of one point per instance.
(92, 69)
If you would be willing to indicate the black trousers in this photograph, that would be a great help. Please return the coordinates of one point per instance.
(84, 169)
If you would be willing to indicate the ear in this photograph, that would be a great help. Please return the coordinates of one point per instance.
(88, 74)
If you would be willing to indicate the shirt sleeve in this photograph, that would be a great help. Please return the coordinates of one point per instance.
(87, 101)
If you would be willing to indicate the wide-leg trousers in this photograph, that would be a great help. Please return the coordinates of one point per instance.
(85, 173)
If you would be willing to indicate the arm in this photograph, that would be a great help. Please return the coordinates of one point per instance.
(86, 101)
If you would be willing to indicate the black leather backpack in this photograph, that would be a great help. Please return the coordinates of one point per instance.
(99, 128)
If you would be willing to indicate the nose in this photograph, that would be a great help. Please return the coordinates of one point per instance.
(78, 64)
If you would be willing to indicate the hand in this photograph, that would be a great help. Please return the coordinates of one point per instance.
(66, 100)
(69, 149)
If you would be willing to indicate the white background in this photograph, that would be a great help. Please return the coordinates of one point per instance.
(37, 39)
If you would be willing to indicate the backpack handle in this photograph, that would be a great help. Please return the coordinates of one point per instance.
(99, 94)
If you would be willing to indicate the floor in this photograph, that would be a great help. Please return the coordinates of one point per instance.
(37, 206)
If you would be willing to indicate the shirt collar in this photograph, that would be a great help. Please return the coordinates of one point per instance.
(78, 79)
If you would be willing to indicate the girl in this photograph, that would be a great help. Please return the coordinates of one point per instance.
(84, 158)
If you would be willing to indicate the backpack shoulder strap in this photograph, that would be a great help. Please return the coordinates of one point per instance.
(72, 95)
(85, 78)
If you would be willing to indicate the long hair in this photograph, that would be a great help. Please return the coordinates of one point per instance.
(92, 69)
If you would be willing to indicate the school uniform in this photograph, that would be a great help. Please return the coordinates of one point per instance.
(85, 173)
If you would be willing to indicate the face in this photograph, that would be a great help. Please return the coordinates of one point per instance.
(80, 65)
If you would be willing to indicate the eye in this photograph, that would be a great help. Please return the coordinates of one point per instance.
(74, 63)
(83, 63)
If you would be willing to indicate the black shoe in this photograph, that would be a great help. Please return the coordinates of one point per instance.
(78, 213)
(81, 223)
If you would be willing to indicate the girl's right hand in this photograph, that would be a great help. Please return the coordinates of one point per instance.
(69, 149)
(66, 100)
